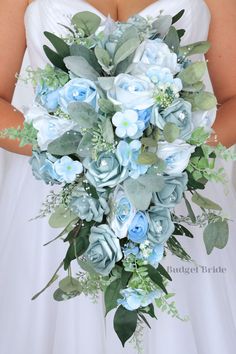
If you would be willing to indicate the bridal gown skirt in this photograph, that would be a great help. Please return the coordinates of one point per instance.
(78, 326)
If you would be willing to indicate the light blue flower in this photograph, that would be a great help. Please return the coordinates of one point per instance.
(127, 123)
(158, 53)
(104, 249)
(43, 167)
(173, 190)
(163, 78)
(156, 255)
(176, 155)
(178, 113)
(138, 228)
(87, 207)
(127, 154)
(131, 92)
(68, 169)
(47, 97)
(122, 212)
(137, 298)
(131, 249)
(106, 171)
(161, 226)
(78, 90)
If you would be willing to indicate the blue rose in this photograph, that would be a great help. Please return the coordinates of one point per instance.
(131, 92)
(138, 228)
(78, 90)
(47, 97)
(87, 207)
(106, 171)
(43, 167)
(127, 154)
(179, 113)
(173, 190)
(104, 249)
(136, 298)
(161, 226)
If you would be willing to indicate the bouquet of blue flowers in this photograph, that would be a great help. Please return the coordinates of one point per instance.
(120, 121)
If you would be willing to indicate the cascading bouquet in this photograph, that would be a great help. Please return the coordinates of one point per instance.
(120, 120)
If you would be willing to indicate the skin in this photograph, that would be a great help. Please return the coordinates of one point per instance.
(221, 60)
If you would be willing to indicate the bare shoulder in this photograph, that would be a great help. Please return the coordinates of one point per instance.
(222, 54)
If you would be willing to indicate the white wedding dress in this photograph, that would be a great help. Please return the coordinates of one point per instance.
(78, 326)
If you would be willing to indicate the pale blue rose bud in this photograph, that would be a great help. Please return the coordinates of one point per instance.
(161, 226)
(43, 167)
(138, 228)
(104, 249)
(173, 190)
(47, 97)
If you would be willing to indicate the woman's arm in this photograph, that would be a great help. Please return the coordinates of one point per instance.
(222, 67)
(12, 44)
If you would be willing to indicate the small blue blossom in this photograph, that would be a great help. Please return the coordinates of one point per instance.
(127, 123)
(68, 169)
(136, 298)
(138, 228)
(127, 154)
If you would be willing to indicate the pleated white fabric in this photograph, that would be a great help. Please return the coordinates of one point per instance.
(78, 326)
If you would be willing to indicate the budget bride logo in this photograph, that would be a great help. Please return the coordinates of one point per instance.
(199, 269)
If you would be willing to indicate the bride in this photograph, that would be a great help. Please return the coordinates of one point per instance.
(206, 294)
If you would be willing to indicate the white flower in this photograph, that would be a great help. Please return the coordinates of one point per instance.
(158, 53)
(49, 128)
(132, 92)
(127, 123)
(176, 155)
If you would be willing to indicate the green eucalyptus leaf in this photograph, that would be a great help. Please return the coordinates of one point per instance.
(83, 114)
(125, 323)
(178, 16)
(175, 247)
(130, 33)
(164, 272)
(162, 25)
(171, 132)
(107, 131)
(198, 86)
(82, 51)
(59, 295)
(193, 73)
(87, 21)
(147, 158)
(204, 101)
(140, 200)
(86, 146)
(61, 47)
(103, 56)
(80, 67)
(216, 235)
(106, 106)
(152, 183)
(66, 144)
(125, 50)
(205, 203)
(156, 277)
(181, 33)
(70, 285)
(61, 217)
(54, 58)
(106, 83)
(190, 210)
(195, 48)
(150, 142)
(112, 294)
(172, 39)
(86, 267)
